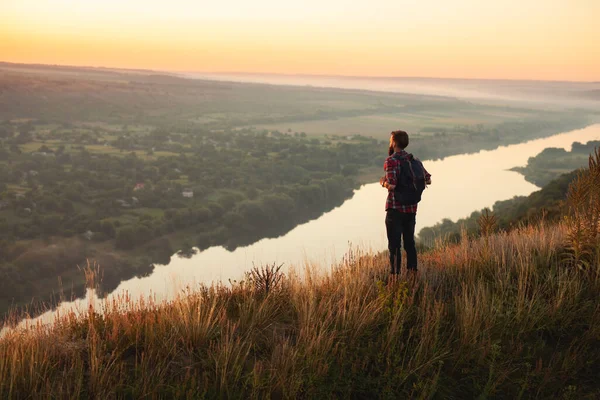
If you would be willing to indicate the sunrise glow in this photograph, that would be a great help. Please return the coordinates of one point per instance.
(513, 39)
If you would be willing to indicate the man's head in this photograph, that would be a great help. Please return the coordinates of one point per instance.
(399, 139)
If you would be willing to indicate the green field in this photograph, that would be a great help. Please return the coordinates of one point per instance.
(380, 125)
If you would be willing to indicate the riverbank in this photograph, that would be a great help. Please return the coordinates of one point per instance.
(553, 162)
(50, 271)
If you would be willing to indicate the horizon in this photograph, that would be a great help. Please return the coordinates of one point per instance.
(283, 74)
(531, 40)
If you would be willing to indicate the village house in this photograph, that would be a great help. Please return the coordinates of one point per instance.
(189, 193)
(139, 186)
(123, 203)
(42, 153)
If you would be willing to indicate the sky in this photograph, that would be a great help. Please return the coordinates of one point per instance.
(508, 39)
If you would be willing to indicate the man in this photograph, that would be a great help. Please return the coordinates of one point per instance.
(401, 214)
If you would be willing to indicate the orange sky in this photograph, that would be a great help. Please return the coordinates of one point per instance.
(513, 39)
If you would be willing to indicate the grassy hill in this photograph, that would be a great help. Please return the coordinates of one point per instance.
(501, 317)
(507, 315)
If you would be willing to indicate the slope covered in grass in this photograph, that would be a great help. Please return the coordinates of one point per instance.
(504, 316)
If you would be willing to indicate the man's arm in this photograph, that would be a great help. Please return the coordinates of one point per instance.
(427, 176)
(390, 175)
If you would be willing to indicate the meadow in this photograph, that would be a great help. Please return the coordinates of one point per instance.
(422, 122)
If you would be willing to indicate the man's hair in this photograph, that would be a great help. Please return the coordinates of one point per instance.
(400, 138)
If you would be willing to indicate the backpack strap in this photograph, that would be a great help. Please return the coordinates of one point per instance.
(406, 160)
(401, 160)
(412, 172)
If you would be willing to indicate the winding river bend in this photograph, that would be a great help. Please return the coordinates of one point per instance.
(460, 185)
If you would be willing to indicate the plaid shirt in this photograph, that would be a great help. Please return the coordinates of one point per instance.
(391, 168)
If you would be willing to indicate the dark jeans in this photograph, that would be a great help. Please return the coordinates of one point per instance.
(402, 225)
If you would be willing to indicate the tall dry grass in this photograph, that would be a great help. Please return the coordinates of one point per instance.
(583, 219)
(498, 317)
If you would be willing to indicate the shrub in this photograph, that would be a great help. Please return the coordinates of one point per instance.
(583, 219)
(266, 278)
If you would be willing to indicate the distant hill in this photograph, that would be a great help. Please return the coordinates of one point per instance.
(72, 68)
(593, 94)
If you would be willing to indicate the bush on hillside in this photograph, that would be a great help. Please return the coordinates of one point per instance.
(583, 220)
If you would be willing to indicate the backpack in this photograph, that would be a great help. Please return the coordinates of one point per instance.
(410, 180)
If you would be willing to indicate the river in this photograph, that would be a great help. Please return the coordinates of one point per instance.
(460, 185)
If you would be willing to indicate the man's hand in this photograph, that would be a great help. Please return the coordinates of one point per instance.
(384, 183)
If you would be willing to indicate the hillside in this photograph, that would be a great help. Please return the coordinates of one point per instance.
(501, 317)
(149, 98)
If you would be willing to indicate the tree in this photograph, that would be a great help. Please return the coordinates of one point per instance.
(126, 238)
(349, 170)
(5, 132)
(45, 149)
